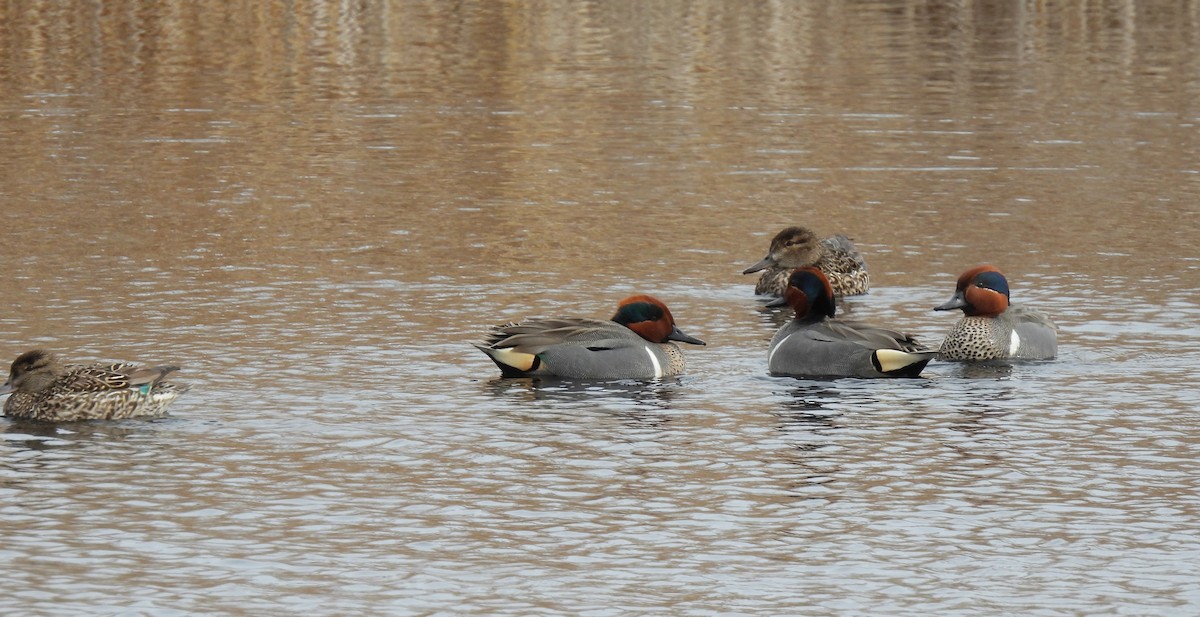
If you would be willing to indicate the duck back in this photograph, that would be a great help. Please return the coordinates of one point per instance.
(838, 348)
(579, 348)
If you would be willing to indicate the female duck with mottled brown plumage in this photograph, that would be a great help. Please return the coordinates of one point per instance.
(42, 389)
(797, 247)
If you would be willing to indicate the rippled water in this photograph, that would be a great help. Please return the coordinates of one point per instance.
(315, 209)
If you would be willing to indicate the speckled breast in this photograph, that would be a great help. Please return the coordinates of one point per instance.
(975, 339)
(673, 356)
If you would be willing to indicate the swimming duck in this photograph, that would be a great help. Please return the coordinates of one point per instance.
(45, 390)
(635, 344)
(991, 328)
(815, 344)
(797, 247)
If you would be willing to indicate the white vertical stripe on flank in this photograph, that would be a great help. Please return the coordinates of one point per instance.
(658, 372)
(776, 348)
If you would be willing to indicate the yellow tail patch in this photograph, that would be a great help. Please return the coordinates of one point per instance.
(893, 359)
(518, 360)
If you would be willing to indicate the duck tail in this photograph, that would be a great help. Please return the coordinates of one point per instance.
(898, 363)
(150, 375)
(512, 363)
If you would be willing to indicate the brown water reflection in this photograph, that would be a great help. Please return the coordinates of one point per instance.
(315, 208)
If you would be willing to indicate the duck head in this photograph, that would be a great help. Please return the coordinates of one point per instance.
(809, 294)
(32, 372)
(793, 247)
(651, 319)
(982, 291)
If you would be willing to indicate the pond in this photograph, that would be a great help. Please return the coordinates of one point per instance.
(315, 209)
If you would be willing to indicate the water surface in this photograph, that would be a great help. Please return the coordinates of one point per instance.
(315, 209)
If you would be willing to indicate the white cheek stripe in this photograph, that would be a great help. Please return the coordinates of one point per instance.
(1014, 344)
(658, 372)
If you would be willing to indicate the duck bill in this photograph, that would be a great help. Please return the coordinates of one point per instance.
(766, 262)
(957, 302)
(777, 302)
(7, 388)
(678, 335)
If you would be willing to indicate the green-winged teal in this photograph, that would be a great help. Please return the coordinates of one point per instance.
(635, 344)
(815, 344)
(42, 389)
(797, 247)
(991, 328)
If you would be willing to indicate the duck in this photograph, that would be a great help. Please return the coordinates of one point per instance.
(797, 247)
(992, 328)
(634, 344)
(817, 344)
(43, 389)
